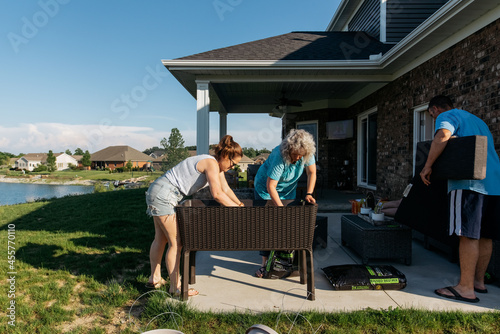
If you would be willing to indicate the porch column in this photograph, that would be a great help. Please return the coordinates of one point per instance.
(222, 124)
(202, 117)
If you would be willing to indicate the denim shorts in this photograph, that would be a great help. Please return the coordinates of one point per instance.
(162, 197)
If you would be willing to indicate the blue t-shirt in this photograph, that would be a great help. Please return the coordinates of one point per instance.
(462, 123)
(287, 175)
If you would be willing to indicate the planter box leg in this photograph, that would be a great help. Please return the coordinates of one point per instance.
(185, 277)
(302, 266)
(192, 268)
(311, 291)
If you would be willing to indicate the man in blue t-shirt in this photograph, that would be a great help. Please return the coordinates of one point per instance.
(472, 202)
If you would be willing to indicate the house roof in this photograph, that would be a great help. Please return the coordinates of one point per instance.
(262, 156)
(308, 66)
(246, 160)
(42, 157)
(300, 45)
(119, 153)
(35, 157)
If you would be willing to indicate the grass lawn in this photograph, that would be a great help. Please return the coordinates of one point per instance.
(80, 262)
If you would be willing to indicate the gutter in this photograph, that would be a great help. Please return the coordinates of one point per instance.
(267, 64)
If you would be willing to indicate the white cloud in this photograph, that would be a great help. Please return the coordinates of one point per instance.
(258, 131)
(58, 137)
(42, 137)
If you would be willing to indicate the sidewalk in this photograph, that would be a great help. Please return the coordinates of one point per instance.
(226, 282)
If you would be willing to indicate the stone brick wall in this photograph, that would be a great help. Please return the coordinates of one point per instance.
(468, 72)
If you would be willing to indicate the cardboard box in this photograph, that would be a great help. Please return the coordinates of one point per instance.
(464, 158)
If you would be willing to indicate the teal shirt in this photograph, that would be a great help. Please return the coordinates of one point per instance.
(277, 169)
(462, 123)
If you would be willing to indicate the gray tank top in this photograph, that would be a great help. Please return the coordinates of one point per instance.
(186, 177)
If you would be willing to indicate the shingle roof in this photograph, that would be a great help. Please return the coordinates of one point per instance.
(305, 45)
(35, 157)
(42, 157)
(119, 153)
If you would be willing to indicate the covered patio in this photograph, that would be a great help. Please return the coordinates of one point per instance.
(226, 282)
(281, 75)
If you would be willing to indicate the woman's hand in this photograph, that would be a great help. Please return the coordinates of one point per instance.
(310, 199)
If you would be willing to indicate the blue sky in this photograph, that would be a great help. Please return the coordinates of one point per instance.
(68, 68)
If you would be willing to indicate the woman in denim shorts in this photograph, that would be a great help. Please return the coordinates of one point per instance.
(185, 179)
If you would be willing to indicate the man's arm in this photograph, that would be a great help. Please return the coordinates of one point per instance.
(437, 147)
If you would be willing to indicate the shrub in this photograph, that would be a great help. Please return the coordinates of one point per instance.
(100, 187)
(40, 168)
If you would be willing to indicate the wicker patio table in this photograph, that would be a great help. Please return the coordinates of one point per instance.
(392, 241)
(205, 225)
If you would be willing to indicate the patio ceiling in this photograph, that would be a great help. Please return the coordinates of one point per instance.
(262, 93)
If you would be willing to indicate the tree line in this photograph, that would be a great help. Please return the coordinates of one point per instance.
(174, 150)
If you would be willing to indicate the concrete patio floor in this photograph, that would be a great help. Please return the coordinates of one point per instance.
(226, 280)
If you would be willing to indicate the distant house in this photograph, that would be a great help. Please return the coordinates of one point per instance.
(157, 154)
(12, 161)
(113, 157)
(31, 161)
(78, 158)
(244, 162)
(261, 158)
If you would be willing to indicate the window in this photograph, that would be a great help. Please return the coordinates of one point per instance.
(367, 149)
(423, 128)
(312, 128)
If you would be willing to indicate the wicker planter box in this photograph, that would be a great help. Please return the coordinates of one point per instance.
(205, 225)
(376, 242)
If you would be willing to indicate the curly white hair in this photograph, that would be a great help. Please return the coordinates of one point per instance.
(298, 141)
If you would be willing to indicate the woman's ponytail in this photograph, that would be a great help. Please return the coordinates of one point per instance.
(228, 148)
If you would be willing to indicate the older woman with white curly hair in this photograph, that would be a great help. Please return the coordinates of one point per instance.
(277, 178)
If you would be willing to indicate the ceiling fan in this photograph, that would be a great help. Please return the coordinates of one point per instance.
(282, 107)
(285, 102)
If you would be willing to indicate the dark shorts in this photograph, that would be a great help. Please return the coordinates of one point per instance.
(474, 215)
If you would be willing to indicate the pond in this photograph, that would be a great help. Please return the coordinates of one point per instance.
(16, 193)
